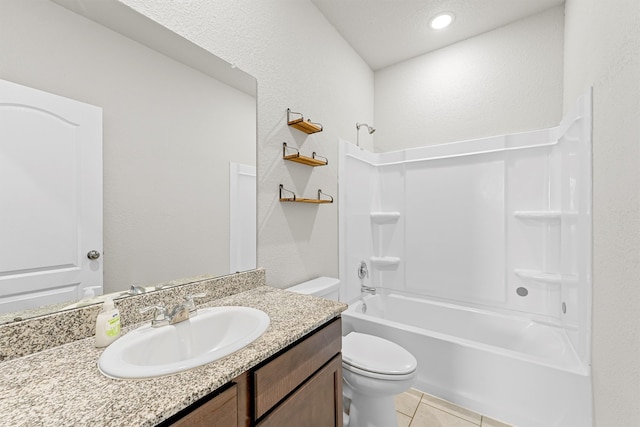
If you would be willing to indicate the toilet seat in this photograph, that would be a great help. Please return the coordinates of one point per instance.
(377, 376)
(376, 357)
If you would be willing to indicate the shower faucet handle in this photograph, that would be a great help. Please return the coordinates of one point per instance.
(363, 271)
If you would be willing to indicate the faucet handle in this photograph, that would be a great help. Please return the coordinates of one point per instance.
(363, 271)
(159, 313)
(190, 304)
(136, 289)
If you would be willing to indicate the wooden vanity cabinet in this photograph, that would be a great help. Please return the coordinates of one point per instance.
(302, 386)
(221, 410)
(299, 386)
(317, 403)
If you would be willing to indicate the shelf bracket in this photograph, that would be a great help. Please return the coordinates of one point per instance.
(316, 156)
(320, 194)
(293, 199)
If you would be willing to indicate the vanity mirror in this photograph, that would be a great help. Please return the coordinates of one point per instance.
(177, 123)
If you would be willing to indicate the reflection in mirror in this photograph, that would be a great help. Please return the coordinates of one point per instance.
(174, 118)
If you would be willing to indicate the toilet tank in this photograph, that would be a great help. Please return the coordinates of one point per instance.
(325, 287)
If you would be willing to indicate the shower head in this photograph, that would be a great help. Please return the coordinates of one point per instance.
(371, 129)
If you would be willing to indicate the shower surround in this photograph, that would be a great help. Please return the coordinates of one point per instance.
(499, 227)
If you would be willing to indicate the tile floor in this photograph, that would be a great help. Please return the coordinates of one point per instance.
(417, 409)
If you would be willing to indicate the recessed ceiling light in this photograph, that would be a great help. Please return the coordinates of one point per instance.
(442, 20)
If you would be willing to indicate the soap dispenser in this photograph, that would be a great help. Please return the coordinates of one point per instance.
(107, 324)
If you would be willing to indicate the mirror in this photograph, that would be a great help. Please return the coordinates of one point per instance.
(174, 118)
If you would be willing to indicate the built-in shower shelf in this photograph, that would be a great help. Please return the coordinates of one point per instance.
(384, 262)
(541, 276)
(384, 217)
(296, 199)
(314, 160)
(542, 215)
(299, 123)
(538, 215)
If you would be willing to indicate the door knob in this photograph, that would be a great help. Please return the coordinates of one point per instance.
(93, 254)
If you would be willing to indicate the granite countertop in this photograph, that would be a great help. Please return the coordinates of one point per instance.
(63, 386)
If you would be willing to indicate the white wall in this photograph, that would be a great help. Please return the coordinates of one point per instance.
(300, 62)
(602, 50)
(504, 81)
(169, 134)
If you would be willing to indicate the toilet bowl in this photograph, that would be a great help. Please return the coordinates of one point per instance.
(374, 369)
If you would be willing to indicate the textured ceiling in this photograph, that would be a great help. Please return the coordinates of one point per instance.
(385, 32)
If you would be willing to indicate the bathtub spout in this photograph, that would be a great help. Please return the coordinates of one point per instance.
(367, 289)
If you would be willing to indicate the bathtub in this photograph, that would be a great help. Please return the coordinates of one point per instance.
(503, 366)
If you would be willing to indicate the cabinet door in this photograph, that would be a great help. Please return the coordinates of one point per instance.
(317, 403)
(279, 377)
(221, 411)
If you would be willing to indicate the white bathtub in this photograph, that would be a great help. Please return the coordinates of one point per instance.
(506, 367)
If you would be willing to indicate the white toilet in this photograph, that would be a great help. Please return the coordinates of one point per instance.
(374, 369)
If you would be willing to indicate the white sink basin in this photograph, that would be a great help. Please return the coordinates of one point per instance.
(211, 335)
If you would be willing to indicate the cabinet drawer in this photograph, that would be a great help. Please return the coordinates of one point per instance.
(282, 375)
(318, 403)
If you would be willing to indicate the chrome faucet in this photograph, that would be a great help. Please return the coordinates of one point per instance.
(179, 313)
(159, 315)
(363, 272)
(367, 289)
(136, 289)
(188, 303)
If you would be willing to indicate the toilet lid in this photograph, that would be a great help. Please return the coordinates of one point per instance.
(375, 354)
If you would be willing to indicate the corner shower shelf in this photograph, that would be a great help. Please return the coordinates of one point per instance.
(541, 276)
(384, 217)
(314, 160)
(307, 127)
(296, 199)
(384, 262)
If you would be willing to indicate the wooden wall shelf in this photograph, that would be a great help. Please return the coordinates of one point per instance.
(299, 123)
(314, 160)
(296, 199)
(302, 200)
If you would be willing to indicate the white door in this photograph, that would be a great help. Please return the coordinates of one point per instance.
(242, 217)
(50, 198)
